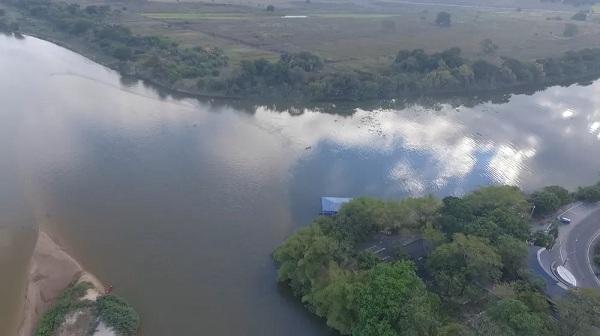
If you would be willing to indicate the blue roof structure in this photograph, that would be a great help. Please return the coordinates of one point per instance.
(331, 205)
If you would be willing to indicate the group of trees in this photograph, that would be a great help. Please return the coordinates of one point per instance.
(157, 59)
(473, 282)
(412, 71)
(549, 199)
(589, 193)
(303, 75)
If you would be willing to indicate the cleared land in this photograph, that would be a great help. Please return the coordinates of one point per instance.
(358, 34)
(361, 34)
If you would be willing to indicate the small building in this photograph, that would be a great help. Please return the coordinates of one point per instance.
(331, 205)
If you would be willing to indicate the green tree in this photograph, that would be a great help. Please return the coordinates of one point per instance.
(580, 16)
(545, 203)
(579, 311)
(270, 8)
(454, 329)
(304, 257)
(488, 47)
(394, 301)
(563, 194)
(443, 19)
(463, 268)
(337, 301)
(589, 193)
(513, 253)
(514, 318)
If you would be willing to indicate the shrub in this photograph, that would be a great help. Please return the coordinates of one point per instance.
(118, 314)
(588, 194)
(66, 303)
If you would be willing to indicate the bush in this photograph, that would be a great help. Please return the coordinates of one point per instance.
(67, 302)
(543, 239)
(118, 314)
(443, 19)
(588, 194)
(544, 203)
(488, 46)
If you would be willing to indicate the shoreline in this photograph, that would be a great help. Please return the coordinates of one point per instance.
(51, 271)
(89, 53)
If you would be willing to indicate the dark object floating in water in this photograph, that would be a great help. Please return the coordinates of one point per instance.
(308, 147)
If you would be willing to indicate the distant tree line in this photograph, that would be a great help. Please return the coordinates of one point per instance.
(473, 282)
(297, 75)
(574, 2)
(155, 58)
(412, 71)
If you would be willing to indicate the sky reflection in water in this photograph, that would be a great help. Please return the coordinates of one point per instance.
(154, 192)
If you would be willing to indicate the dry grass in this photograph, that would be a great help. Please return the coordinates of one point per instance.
(351, 35)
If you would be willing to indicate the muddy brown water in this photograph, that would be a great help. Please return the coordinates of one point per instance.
(178, 203)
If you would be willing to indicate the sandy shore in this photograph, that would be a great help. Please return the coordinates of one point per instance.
(51, 271)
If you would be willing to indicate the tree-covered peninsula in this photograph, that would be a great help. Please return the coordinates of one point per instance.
(472, 280)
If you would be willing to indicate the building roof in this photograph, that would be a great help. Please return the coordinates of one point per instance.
(331, 205)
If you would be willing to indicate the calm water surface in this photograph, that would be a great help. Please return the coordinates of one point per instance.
(178, 203)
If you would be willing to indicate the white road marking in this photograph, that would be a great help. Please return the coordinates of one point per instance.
(589, 262)
(576, 205)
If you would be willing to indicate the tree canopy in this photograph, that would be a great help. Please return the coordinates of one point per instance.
(443, 19)
(476, 259)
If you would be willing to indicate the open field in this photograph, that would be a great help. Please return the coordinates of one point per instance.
(351, 35)
(357, 34)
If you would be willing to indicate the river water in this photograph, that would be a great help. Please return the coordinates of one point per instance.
(178, 203)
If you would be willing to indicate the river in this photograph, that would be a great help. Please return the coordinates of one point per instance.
(178, 203)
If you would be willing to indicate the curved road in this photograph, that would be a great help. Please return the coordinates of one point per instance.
(576, 245)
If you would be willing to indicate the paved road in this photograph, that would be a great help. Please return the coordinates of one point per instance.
(578, 241)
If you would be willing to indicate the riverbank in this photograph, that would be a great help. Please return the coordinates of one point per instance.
(52, 270)
(100, 33)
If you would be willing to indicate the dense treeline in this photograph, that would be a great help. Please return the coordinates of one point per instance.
(473, 282)
(158, 59)
(300, 75)
(413, 72)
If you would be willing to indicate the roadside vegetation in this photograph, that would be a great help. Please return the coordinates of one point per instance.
(473, 281)
(298, 75)
(111, 309)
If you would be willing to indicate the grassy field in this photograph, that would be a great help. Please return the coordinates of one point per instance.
(352, 34)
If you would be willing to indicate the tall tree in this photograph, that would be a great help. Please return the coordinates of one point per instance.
(579, 312)
(443, 19)
(394, 302)
(465, 267)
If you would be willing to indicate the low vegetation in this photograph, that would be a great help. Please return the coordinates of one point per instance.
(118, 314)
(69, 301)
(549, 199)
(473, 281)
(112, 310)
(298, 75)
(589, 193)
